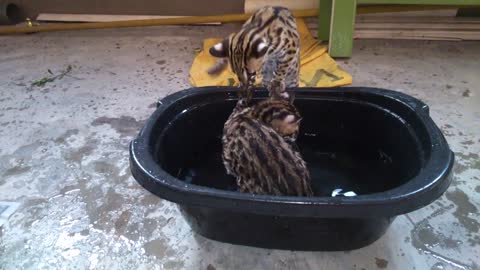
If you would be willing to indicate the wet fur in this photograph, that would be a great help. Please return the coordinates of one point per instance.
(263, 159)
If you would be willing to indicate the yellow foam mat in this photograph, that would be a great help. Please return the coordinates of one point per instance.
(317, 68)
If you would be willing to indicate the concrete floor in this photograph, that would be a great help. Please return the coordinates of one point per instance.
(64, 158)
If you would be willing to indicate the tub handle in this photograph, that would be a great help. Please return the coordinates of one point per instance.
(425, 109)
(419, 106)
(159, 103)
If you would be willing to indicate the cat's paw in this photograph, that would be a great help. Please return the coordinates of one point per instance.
(277, 89)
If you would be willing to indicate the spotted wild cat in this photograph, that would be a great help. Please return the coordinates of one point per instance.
(258, 151)
(268, 42)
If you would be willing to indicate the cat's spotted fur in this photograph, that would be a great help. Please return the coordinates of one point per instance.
(268, 42)
(280, 115)
(258, 149)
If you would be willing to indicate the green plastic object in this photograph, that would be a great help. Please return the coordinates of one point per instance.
(342, 27)
(336, 19)
(324, 17)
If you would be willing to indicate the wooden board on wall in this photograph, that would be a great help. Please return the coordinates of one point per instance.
(427, 28)
(420, 13)
(423, 34)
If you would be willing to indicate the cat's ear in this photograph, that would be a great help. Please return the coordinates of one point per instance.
(260, 48)
(220, 49)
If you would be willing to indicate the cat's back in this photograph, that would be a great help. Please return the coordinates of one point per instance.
(262, 161)
(268, 15)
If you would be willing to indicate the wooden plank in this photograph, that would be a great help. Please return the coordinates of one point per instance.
(451, 12)
(341, 28)
(415, 25)
(451, 20)
(411, 35)
(254, 5)
(417, 34)
(414, 34)
(392, 9)
(324, 18)
(448, 22)
(65, 17)
(460, 30)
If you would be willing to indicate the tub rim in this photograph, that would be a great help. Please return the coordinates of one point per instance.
(429, 184)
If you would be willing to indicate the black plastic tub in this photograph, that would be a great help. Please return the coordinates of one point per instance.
(381, 144)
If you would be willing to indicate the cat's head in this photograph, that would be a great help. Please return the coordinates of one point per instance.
(245, 52)
(281, 115)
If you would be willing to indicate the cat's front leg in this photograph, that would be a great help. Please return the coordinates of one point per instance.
(277, 90)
